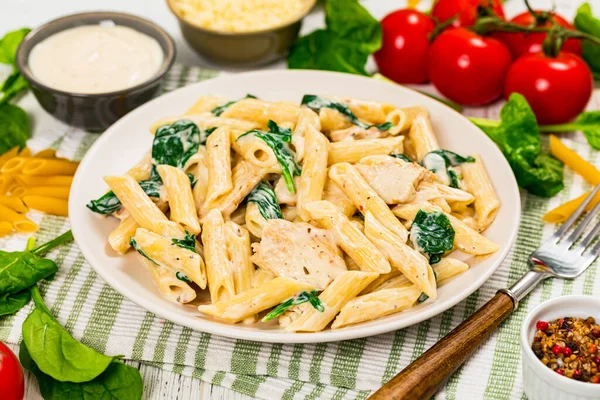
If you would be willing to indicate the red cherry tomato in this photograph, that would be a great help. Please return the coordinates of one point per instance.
(12, 385)
(403, 54)
(530, 43)
(557, 88)
(468, 68)
(466, 10)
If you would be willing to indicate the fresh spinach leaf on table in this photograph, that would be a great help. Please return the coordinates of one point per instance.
(14, 127)
(118, 382)
(315, 103)
(432, 234)
(9, 45)
(350, 36)
(10, 303)
(518, 137)
(55, 351)
(278, 140)
(302, 297)
(266, 200)
(586, 22)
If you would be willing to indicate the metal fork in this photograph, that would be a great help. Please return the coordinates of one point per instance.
(559, 256)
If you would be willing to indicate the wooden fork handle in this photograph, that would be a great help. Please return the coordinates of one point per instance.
(422, 378)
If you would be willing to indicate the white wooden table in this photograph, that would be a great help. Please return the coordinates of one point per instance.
(159, 384)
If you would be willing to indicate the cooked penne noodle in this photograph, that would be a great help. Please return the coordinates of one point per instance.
(206, 121)
(333, 194)
(142, 170)
(205, 104)
(406, 259)
(262, 111)
(421, 136)
(219, 165)
(181, 199)
(49, 205)
(119, 238)
(255, 222)
(19, 222)
(402, 119)
(314, 171)
(170, 287)
(307, 118)
(163, 251)
(239, 253)
(255, 300)
(349, 237)
(332, 120)
(351, 151)
(14, 203)
(255, 150)
(45, 167)
(365, 198)
(218, 267)
(344, 288)
(478, 183)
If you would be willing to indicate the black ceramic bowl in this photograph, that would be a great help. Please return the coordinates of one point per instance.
(94, 112)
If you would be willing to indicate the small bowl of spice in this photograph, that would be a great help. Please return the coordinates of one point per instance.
(560, 341)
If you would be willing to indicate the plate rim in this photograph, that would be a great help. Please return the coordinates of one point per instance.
(278, 336)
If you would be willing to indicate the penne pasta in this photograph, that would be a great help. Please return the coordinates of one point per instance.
(478, 183)
(57, 192)
(170, 287)
(49, 205)
(352, 151)
(14, 203)
(219, 165)
(49, 167)
(6, 228)
(19, 222)
(119, 239)
(53, 180)
(181, 199)
(218, 267)
(314, 171)
(239, 253)
(421, 136)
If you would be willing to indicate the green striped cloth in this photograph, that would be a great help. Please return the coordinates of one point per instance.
(103, 319)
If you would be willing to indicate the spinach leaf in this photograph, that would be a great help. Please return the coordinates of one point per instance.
(278, 140)
(518, 137)
(10, 303)
(266, 200)
(586, 22)
(12, 86)
(586, 122)
(55, 351)
(14, 127)
(134, 244)
(9, 44)
(315, 103)
(174, 144)
(303, 297)
(440, 162)
(351, 35)
(432, 234)
(188, 242)
(182, 277)
(205, 133)
(109, 203)
(217, 111)
(118, 382)
(402, 157)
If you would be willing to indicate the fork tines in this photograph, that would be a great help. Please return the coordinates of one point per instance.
(578, 231)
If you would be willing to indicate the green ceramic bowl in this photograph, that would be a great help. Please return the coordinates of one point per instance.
(241, 48)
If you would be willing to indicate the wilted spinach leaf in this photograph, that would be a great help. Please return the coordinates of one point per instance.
(109, 203)
(440, 161)
(174, 144)
(315, 103)
(402, 157)
(303, 297)
(188, 242)
(266, 200)
(182, 277)
(278, 140)
(134, 244)
(432, 234)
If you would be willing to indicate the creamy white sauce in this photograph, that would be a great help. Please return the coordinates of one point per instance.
(96, 59)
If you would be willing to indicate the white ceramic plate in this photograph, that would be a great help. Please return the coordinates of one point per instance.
(128, 140)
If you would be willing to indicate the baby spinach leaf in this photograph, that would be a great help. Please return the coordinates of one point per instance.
(278, 140)
(266, 200)
(303, 297)
(118, 382)
(586, 22)
(432, 234)
(182, 277)
(440, 161)
(109, 203)
(315, 103)
(587, 122)
(188, 242)
(205, 133)
(12, 86)
(22, 269)
(9, 45)
(351, 35)
(10, 303)
(55, 351)
(174, 144)
(14, 126)
(217, 111)
(518, 137)
(402, 157)
(134, 244)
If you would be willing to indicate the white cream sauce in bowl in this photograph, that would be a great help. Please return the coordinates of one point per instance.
(98, 58)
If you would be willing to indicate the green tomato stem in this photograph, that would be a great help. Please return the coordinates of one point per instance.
(46, 247)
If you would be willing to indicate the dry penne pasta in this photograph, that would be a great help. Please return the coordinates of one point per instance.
(5, 228)
(19, 222)
(49, 205)
(49, 167)
(14, 203)
(57, 192)
(53, 180)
